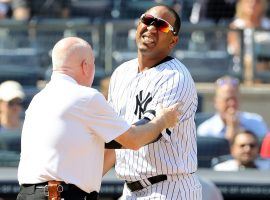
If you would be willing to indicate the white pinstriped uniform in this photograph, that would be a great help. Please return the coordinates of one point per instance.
(175, 153)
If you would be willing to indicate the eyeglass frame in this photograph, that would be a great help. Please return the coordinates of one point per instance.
(227, 80)
(155, 19)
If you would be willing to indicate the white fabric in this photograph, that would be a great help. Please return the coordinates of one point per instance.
(215, 127)
(131, 94)
(232, 165)
(64, 132)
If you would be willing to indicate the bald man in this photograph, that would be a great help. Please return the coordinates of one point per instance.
(66, 126)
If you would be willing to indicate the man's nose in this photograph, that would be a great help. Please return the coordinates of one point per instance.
(152, 27)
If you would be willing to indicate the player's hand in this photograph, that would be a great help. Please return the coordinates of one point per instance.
(170, 116)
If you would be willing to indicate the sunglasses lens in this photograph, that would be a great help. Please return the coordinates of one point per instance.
(162, 26)
(147, 19)
(158, 23)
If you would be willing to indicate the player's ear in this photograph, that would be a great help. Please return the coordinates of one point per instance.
(174, 41)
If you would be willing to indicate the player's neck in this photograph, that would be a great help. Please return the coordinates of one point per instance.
(146, 62)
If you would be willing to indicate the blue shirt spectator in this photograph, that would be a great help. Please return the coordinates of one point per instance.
(228, 119)
(216, 127)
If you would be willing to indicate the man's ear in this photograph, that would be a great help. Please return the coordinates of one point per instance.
(174, 41)
(84, 67)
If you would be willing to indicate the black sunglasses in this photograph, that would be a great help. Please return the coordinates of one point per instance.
(161, 24)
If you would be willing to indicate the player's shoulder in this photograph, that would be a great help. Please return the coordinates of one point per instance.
(176, 68)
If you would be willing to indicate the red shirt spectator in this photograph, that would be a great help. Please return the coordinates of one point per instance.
(265, 148)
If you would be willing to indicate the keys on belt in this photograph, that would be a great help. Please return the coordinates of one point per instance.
(138, 185)
(57, 190)
(52, 190)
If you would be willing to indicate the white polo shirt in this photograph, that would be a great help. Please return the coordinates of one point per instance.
(63, 135)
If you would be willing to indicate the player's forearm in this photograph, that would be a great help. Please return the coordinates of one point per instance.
(109, 160)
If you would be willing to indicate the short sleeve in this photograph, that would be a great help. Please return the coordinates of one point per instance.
(104, 121)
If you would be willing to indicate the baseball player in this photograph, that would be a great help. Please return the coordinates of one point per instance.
(165, 168)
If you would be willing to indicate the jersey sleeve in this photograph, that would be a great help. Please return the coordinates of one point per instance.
(176, 88)
(104, 120)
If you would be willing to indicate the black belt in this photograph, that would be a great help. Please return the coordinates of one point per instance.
(138, 185)
(66, 190)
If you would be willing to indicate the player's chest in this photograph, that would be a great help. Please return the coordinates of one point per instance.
(139, 87)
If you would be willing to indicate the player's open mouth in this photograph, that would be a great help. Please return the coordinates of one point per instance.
(148, 39)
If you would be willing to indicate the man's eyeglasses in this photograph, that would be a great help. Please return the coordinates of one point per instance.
(231, 81)
(161, 24)
(250, 145)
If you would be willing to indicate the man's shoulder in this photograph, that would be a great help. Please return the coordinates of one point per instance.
(251, 116)
(263, 164)
(228, 165)
(210, 126)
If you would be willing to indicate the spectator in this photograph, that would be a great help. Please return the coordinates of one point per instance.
(26, 9)
(249, 14)
(245, 151)
(265, 148)
(4, 9)
(228, 120)
(11, 97)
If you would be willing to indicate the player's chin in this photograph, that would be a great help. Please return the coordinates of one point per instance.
(146, 46)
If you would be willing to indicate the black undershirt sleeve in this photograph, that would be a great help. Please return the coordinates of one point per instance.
(149, 115)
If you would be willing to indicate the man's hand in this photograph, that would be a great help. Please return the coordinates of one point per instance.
(170, 116)
(232, 123)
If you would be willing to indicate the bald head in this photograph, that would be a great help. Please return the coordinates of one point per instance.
(73, 56)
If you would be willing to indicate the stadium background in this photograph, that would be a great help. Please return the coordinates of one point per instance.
(109, 25)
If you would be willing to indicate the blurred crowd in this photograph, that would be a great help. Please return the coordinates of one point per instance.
(228, 120)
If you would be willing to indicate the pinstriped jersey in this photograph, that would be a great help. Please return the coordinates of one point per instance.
(132, 93)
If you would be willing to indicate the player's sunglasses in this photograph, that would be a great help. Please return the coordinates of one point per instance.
(161, 24)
